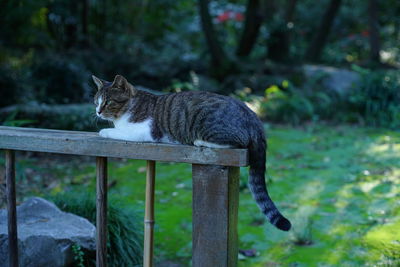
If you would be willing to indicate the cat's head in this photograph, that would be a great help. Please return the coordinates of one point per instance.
(112, 98)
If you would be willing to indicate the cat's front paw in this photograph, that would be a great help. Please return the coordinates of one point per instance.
(106, 133)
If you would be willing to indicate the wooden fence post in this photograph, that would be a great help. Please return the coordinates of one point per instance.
(101, 212)
(11, 209)
(215, 210)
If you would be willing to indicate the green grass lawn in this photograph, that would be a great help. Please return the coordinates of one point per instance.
(340, 187)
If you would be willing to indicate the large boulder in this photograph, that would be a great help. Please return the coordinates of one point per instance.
(46, 234)
(338, 80)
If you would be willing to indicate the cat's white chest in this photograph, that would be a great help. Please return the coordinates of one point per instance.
(129, 131)
(124, 123)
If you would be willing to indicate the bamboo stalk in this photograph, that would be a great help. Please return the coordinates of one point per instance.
(149, 214)
(11, 209)
(101, 212)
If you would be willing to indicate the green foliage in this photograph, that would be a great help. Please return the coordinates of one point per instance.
(124, 235)
(78, 117)
(286, 103)
(302, 236)
(290, 106)
(26, 23)
(391, 258)
(78, 255)
(376, 100)
(10, 86)
(373, 102)
(49, 49)
(59, 80)
(11, 120)
(179, 86)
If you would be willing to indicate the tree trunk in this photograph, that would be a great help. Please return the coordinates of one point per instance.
(373, 22)
(291, 7)
(317, 44)
(103, 21)
(220, 64)
(251, 29)
(85, 14)
(85, 21)
(71, 27)
(278, 45)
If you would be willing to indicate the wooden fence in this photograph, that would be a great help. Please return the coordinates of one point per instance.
(215, 188)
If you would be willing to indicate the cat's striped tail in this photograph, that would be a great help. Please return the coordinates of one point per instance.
(257, 185)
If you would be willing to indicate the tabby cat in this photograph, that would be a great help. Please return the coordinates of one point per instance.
(190, 118)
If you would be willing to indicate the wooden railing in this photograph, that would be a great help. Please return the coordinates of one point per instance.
(215, 188)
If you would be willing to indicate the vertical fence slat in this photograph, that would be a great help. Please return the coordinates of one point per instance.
(101, 212)
(149, 214)
(11, 209)
(215, 210)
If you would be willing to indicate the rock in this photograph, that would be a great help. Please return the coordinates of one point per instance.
(46, 234)
(338, 80)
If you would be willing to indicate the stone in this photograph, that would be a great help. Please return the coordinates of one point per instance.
(339, 80)
(46, 234)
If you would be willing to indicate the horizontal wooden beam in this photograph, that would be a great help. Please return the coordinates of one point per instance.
(91, 144)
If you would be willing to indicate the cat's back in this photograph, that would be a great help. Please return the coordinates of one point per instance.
(193, 115)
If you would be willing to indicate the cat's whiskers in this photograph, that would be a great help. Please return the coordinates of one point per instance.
(95, 119)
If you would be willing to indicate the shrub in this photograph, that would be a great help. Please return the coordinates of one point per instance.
(124, 243)
(57, 79)
(374, 102)
(377, 99)
(288, 104)
(10, 86)
(78, 117)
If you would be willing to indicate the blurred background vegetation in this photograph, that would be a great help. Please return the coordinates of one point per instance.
(323, 75)
(294, 60)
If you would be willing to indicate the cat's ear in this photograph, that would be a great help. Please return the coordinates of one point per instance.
(121, 83)
(99, 82)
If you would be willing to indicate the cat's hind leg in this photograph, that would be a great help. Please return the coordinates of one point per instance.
(199, 142)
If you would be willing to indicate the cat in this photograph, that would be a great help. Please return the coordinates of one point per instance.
(190, 118)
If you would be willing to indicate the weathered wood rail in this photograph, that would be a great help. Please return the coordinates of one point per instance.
(215, 188)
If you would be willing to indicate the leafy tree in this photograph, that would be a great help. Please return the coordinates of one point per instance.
(317, 44)
(254, 19)
(219, 61)
(279, 41)
(373, 24)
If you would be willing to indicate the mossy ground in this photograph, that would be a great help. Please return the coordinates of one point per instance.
(340, 187)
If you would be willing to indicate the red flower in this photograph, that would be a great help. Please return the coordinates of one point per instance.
(365, 33)
(227, 15)
(239, 17)
(351, 36)
(224, 16)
